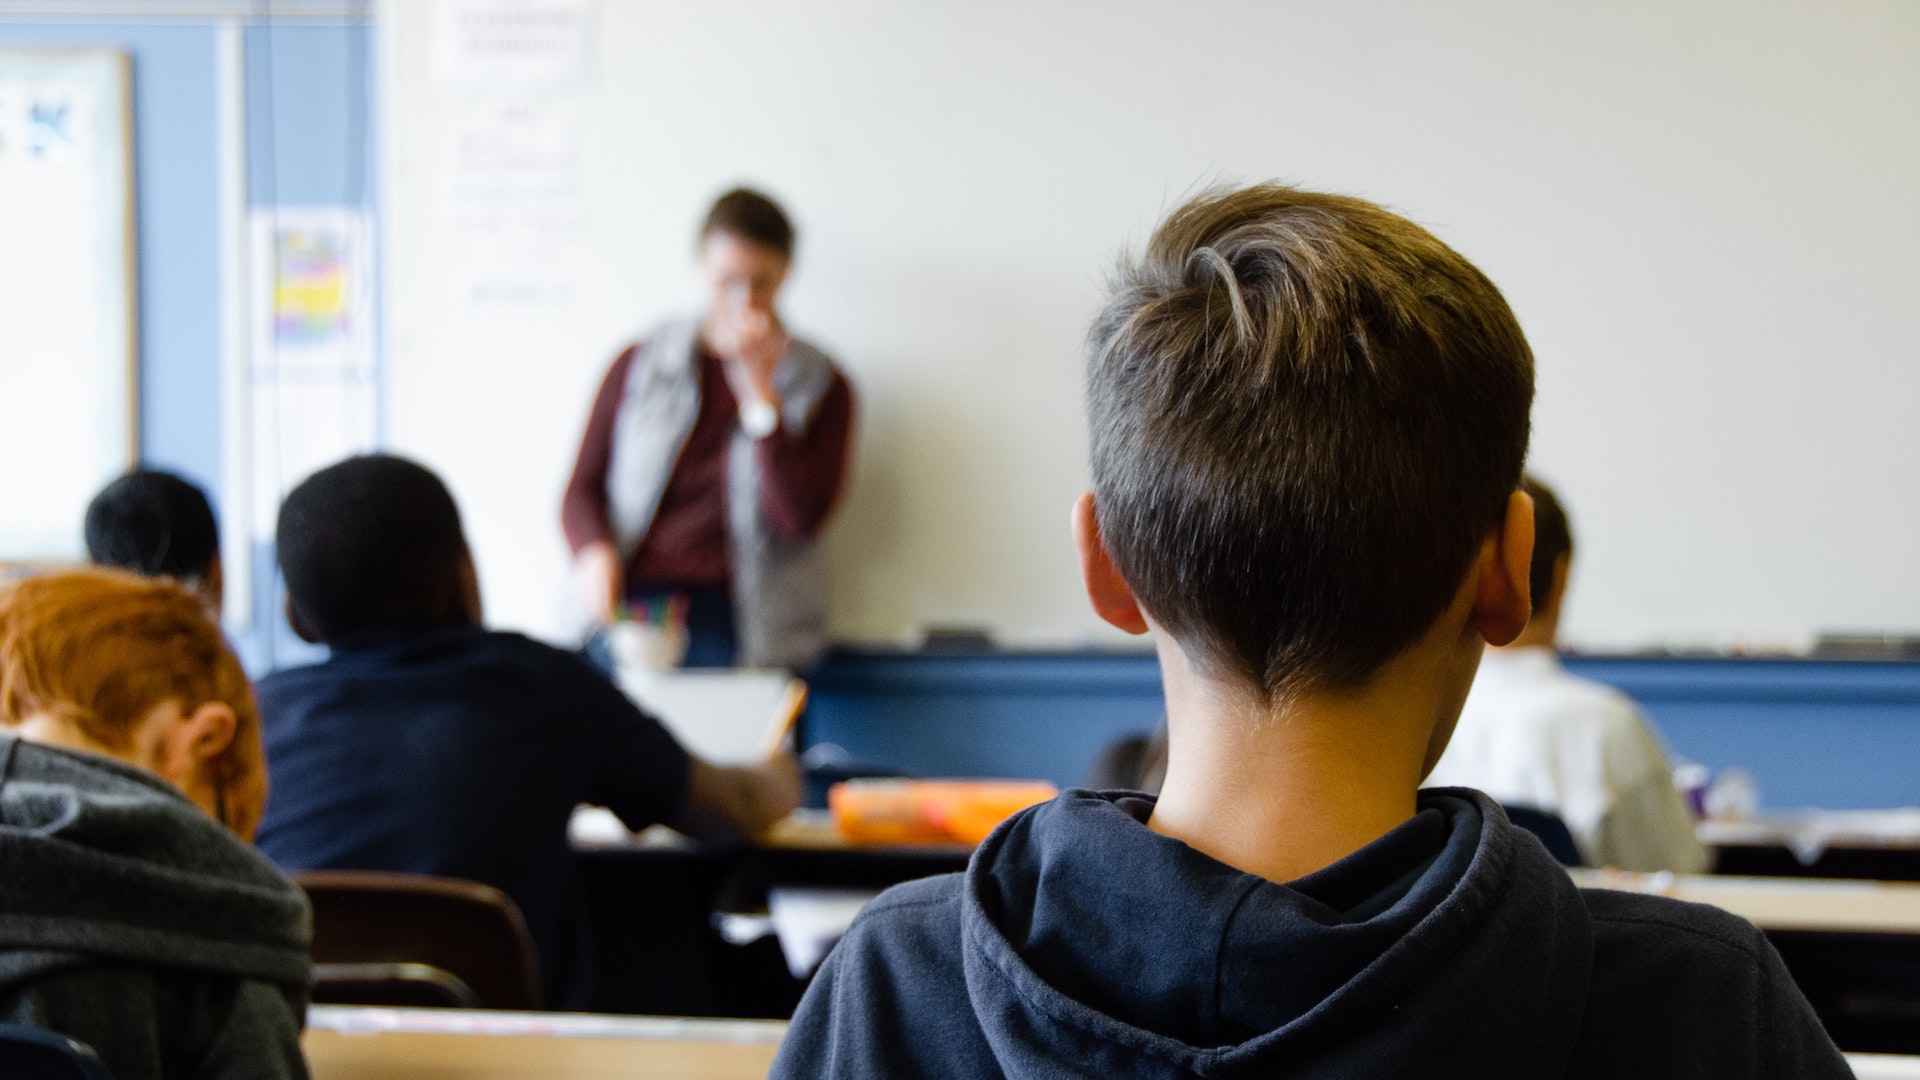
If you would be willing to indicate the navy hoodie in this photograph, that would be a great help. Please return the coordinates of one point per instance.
(1080, 943)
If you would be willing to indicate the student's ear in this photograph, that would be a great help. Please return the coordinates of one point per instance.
(212, 587)
(471, 609)
(187, 743)
(1501, 603)
(1111, 596)
(300, 628)
(1557, 589)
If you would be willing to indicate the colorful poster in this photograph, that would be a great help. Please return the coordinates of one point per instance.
(311, 374)
(310, 306)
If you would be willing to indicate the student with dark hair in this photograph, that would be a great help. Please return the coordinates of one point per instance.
(427, 744)
(714, 452)
(1307, 419)
(158, 525)
(1531, 734)
(133, 915)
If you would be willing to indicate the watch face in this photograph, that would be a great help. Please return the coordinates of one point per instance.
(757, 418)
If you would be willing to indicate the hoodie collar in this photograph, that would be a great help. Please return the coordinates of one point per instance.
(102, 860)
(1085, 928)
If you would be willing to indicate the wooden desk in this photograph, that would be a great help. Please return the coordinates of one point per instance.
(802, 849)
(1782, 904)
(650, 898)
(443, 1044)
(1852, 947)
(1884, 1067)
(803, 830)
(1882, 845)
(433, 1044)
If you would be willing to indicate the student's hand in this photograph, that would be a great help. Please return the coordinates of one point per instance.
(602, 579)
(778, 787)
(742, 799)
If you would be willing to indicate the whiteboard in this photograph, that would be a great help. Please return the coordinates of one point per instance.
(1703, 213)
(67, 360)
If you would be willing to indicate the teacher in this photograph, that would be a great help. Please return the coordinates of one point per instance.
(715, 450)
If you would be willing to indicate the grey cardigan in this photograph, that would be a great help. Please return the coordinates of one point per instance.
(779, 585)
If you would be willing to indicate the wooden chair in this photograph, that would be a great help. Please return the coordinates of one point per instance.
(411, 939)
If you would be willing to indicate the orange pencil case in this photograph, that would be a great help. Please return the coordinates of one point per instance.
(929, 811)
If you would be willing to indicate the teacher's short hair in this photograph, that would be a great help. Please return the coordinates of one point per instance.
(750, 216)
(372, 541)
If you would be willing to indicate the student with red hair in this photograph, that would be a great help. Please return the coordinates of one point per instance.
(134, 916)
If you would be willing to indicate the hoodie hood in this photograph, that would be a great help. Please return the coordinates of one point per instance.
(100, 861)
(1088, 938)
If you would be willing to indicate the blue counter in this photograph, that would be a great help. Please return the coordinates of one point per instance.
(1840, 734)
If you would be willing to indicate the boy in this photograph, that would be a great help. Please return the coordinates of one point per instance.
(133, 915)
(1533, 735)
(425, 744)
(1308, 418)
(158, 525)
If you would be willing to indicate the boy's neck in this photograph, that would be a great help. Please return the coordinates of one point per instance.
(1284, 788)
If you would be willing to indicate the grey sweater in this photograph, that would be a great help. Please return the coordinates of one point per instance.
(132, 921)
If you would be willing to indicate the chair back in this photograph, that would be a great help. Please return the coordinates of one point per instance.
(411, 939)
(31, 1053)
(1551, 831)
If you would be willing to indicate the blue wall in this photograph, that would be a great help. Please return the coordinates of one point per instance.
(310, 127)
(988, 714)
(311, 141)
(1843, 734)
(1812, 733)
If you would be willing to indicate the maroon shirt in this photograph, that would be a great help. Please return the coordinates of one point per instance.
(800, 477)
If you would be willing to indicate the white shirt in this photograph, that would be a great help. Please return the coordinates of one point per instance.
(1533, 735)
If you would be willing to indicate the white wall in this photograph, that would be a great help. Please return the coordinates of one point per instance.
(1704, 214)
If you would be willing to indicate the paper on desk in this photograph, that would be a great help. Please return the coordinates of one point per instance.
(810, 921)
(722, 716)
(599, 827)
(596, 826)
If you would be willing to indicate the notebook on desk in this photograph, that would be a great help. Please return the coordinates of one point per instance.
(725, 716)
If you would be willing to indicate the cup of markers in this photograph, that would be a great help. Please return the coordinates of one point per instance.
(650, 635)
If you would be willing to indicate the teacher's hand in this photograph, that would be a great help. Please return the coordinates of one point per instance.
(755, 341)
(602, 579)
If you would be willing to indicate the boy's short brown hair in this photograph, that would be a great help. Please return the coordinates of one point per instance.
(1305, 414)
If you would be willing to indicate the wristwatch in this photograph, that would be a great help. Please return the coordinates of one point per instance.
(757, 418)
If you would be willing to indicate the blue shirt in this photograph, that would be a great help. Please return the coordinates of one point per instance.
(455, 751)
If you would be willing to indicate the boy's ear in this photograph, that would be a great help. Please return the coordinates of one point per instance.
(300, 628)
(471, 609)
(1501, 604)
(189, 740)
(1111, 596)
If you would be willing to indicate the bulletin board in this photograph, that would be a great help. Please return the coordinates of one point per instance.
(68, 359)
